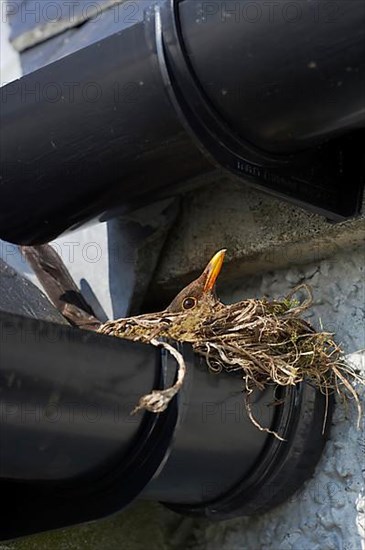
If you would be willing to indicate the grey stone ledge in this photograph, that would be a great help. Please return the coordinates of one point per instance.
(261, 233)
(33, 22)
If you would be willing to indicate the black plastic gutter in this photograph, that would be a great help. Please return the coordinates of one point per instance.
(70, 451)
(276, 98)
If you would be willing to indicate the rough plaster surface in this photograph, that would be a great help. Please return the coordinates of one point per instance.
(328, 513)
(261, 233)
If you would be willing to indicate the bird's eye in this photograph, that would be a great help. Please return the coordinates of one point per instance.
(189, 303)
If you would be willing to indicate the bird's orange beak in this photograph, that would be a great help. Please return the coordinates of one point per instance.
(213, 269)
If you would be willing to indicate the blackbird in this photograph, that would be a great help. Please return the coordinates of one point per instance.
(200, 294)
(183, 318)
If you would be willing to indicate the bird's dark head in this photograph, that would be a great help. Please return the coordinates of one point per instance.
(200, 294)
(183, 319)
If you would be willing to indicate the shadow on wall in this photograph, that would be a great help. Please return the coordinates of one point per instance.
(143, 525)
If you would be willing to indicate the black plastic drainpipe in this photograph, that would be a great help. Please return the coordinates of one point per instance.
(70, 451)
(271, 92)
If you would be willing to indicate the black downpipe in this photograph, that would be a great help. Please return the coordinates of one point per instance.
(189, 86)
(71, 452)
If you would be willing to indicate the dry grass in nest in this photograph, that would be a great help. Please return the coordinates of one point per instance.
(267, 341)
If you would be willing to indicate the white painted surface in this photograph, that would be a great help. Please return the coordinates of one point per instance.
(10, 68)
(85, 253)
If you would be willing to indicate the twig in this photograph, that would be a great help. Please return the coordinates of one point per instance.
(60, 286)
(157, 401)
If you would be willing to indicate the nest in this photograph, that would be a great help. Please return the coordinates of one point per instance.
(267, 341)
